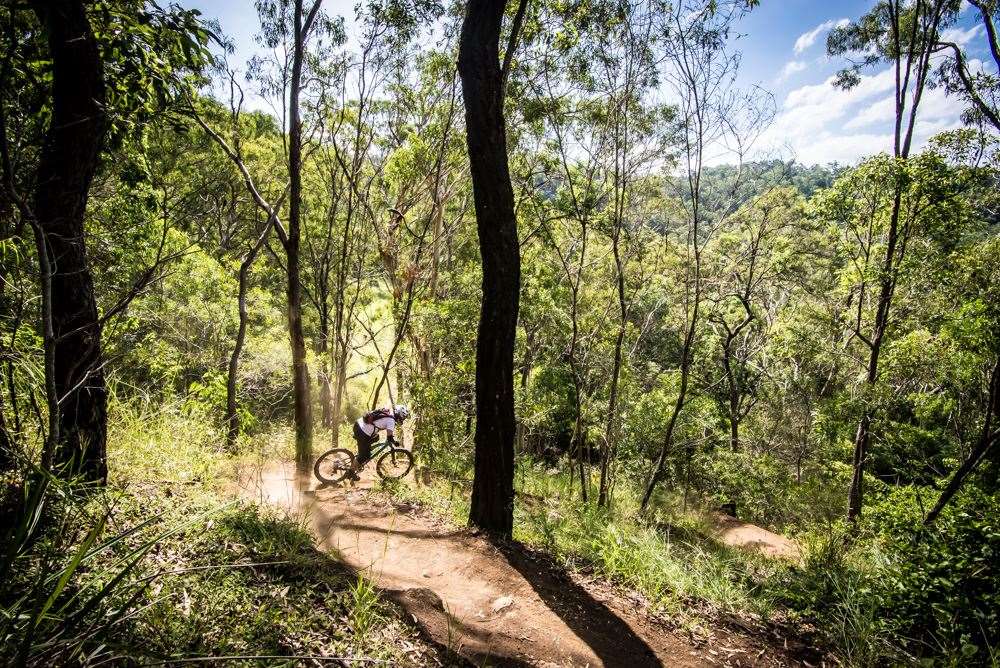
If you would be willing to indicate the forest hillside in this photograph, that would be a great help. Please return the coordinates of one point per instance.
(537, 333)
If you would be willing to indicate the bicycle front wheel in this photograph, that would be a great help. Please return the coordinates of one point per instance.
(394, 464)
(334, 465)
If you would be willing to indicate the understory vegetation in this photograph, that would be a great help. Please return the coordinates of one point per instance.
(613, 309)
(854, 597)
(166, 563)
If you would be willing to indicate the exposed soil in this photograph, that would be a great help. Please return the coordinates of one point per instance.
(732, 531)
(491, 603)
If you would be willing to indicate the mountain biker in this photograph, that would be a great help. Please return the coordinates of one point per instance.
(368, 426)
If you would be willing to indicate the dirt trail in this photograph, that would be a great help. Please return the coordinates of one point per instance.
(500, 605)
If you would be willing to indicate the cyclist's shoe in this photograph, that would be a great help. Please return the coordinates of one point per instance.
(353, 475)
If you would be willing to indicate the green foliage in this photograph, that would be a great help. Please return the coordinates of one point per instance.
(943, 584)
(669, 562)
(68, 576)
(787, 286)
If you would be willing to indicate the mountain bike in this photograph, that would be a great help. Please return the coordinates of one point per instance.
(391, 462)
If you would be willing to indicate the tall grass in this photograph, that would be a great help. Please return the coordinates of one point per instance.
(162, 444)
(60, 588)
(140, 572)
(667, 555)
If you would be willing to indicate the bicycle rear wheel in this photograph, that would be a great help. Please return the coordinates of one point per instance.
(394, 464)
(334, 465)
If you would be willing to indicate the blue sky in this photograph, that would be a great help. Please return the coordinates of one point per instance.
(783, 43)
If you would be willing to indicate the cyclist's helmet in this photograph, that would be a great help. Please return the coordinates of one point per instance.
(402, 412)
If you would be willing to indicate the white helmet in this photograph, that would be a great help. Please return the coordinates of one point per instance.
(401, 412)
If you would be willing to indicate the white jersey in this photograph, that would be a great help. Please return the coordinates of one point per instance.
(387, 423)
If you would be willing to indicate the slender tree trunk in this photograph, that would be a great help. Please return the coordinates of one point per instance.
(616, 366)
(577, 440)
(300, 370)
(326, 414)
(401, 328)
(492, 507)
(338, 399)
(232, 418)
(436, 232)
(686, 354)
(733, 391)
(66, 168)
(862, 438)
(341, 326)
(915, 52)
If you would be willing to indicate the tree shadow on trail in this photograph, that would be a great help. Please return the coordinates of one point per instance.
(608, 636)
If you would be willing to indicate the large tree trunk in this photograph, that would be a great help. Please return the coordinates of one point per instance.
(482, 88)
(300, 371)
(66, 167)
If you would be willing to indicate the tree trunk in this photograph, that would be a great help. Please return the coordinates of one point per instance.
(66, 168)
(862, 438)
(616, 366)
(325, 395)
(232, 419)
(323, 376)
(492, 508)
(686, 354)
(341, 327)
(338, 399)
(300, 370)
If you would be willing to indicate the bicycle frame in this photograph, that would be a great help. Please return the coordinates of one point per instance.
(378, 449)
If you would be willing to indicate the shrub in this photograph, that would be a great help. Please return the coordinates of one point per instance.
(943, 589)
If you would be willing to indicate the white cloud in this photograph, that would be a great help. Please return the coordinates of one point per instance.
(820, 123)
(877, 112)
(845, 149)
(807, 39)
(790, 68)
(961, 37)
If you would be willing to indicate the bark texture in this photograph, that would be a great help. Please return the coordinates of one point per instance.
(66, 168)
(300, 370)
(482, 88)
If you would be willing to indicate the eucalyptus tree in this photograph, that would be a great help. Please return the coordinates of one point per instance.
(492, 506)
(379, 119)
(241, 233)
(575, 147)
(600, 136)
(904, 34)
(302, 23)
(978, 88)
(293, 36)
(713, 117)
(74, 375)
(638, 143)
(754, 257)
(84, 115)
